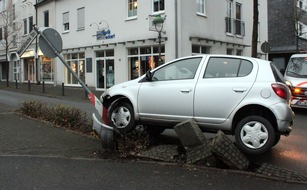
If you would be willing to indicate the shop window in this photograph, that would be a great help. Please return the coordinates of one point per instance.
(77, 63)
(47, 70)
(142, 59)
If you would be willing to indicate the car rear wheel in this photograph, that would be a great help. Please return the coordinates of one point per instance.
(255, 135)
(121, 116)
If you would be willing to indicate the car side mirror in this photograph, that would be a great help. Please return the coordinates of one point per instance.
(148, 76)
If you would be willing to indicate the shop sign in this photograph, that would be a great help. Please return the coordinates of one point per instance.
(27, 43)
(104, 35)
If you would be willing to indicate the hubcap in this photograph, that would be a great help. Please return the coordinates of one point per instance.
(254, 135)
(121, 117)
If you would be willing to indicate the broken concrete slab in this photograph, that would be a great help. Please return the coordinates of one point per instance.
(190, 134)
(224, 149)
(167, 153)
(200, 153)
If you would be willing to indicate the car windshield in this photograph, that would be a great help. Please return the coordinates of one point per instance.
(297, 67)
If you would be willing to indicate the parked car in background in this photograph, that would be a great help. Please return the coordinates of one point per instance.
(242, 96)
(296, 77)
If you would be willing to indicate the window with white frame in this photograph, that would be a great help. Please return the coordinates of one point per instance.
(199, 49)
(132, 8)
(76, 61)
(81, 15)
(302, 30)
(66, 21)
(229, 25)
(158, 5)
(142, 59)
(201, 7)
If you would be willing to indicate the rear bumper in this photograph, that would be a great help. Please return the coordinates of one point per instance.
(284, 117)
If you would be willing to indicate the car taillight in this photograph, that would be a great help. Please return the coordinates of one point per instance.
(280, 90)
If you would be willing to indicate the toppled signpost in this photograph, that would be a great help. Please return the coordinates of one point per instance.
(50, 43)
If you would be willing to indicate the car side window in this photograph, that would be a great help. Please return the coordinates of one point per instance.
(178, 70)
(221, 67)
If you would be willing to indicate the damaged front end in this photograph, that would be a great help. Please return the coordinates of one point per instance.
(105, 131)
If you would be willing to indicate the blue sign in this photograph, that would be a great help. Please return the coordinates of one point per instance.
(104, 34)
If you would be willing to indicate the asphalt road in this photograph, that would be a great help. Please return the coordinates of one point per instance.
(52, 171)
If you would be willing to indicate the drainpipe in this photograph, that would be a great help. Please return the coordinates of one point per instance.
(36, 50)
(176, 29)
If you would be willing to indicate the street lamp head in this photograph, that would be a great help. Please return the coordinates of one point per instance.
(158, 22)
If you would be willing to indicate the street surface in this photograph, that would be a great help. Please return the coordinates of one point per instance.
(70, 171)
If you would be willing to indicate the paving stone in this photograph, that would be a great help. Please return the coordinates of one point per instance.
(224, 149)
(199, 153)
(167, 153)
(274, 171)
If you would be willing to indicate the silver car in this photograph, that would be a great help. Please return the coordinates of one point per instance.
(242, 96)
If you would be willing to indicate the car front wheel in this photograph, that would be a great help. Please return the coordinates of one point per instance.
(121, 116)
(255, 135)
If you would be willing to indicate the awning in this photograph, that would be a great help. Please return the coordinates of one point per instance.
(28, 53)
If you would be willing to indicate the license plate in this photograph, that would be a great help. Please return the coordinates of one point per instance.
(302, 103)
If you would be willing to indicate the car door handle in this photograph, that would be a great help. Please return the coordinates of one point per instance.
(239, 90)
(185, 91)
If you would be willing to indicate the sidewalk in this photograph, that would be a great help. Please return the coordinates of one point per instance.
(59, 91)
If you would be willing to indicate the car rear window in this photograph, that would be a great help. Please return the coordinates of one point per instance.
(278, 76)
(221, 67)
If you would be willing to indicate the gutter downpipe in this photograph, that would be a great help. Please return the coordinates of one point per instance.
(176, 29)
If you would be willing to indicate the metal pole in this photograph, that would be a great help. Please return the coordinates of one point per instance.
(62, 59)
(159, 49)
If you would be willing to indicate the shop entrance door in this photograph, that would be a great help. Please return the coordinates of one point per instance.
(29, 71)
(105, 73)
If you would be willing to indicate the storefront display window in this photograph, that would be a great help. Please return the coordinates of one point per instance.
(76, 61)
(143, 59)
(47, 70)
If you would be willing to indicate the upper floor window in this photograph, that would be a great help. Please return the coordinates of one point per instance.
(46, 18)
(201, 6)
(25, 26)
(81, 15)
(132, 8)
(1, 35)
(30, 23)
(66, 21)
(158, 5)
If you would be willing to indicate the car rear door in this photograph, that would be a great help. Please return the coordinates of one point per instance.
(224, 84)
(169, 96)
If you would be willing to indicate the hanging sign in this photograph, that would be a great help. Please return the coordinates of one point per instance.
(27, 43)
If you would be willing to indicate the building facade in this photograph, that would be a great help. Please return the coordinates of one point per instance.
(288, 29)
(108, 42)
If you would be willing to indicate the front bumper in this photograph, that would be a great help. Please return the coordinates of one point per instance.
(298, 102)
(105, 132)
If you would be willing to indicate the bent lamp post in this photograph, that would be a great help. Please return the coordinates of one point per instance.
(158, 22)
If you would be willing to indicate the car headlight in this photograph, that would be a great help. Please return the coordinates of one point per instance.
(288, 83)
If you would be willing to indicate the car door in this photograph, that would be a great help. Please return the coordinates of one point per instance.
(224, 84)
(169, 96)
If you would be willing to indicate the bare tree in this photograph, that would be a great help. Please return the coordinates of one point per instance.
(255, 28)
(10, 30)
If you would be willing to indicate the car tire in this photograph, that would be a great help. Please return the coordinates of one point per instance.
(121, 116)
(255, 135)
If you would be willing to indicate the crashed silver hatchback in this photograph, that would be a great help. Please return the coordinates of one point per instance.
(242, 96)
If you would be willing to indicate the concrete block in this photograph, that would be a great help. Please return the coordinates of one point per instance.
(223, 148)
(189, 133)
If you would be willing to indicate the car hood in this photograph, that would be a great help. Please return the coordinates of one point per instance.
(298, 82)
